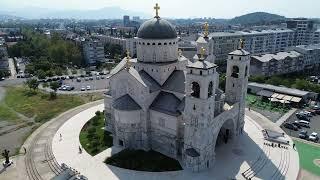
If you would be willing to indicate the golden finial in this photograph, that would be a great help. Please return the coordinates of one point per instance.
(206, 29)
(180, 52)
(128, 64)
(157, 7)
(202, 52)
(241, 44)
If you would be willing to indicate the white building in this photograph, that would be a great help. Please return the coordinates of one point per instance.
(126, 43)
(277, 63)
(168, 103)
(93, 52)
(256, 42)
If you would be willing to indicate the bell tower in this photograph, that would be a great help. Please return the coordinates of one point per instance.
(201, 79)
(238, 65)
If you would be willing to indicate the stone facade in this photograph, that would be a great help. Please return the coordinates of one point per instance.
(168, 103)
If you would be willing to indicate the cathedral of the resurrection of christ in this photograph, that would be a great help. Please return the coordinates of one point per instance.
(164, 102)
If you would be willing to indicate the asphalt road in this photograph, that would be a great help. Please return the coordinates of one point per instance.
(314, 126)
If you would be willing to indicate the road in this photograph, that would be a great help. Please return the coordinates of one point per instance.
(12, 68)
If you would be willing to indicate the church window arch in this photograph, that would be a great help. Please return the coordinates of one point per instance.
(195, 90)
(246, 72)
(174, 42)
(239, 58)
(231, 57)
(191, 71)
(164, 43)
(201, 73)
(148, 43)
(235, 71)
(153, 43)
(170, 43)
(210, 89)
(143, 43)
(159, 44)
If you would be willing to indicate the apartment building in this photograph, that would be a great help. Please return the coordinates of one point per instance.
(256, 42)
(4, 63)
(311, 55)
(93, 52)
(276, 63)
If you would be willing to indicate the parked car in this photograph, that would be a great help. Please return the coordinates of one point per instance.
(98, 77)
(78, 80)
(91, 78)
(102, 77)
(290, 126)
(83, 88)
(63, 78)
(303, 134)
(303, 123)
(302, 116)
(70, 88)
(308, 113)
(86, 79)
(314, 137)
(88, 88)
(296, 124)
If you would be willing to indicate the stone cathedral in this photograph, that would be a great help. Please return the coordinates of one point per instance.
(165, 102)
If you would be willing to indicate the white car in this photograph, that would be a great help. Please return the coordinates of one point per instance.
(83, 88)
(88, 88)
(313, 137)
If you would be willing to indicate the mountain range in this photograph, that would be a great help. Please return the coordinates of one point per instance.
(43, 13)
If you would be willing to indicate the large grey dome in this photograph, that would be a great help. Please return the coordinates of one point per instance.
(157, 28)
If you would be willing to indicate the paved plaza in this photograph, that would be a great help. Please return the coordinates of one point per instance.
(247, 155)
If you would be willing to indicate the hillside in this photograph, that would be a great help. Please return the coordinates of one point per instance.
(257, 18)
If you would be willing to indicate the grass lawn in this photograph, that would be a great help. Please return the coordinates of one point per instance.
(256, 102)
(143, 161)
(307, 153)
(6, 114)
(39, 105)
(93, 138)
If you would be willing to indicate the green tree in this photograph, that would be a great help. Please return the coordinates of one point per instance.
(54, 86)
(32, 84)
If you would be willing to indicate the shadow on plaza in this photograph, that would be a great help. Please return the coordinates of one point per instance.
(229, 158)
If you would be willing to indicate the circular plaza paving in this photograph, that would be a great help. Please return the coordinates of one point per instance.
(246, 156)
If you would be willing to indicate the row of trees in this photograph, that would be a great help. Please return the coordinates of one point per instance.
(294, 81)
(48, 56)
(33, 85)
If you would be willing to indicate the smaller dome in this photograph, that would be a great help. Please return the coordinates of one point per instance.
(157, 28)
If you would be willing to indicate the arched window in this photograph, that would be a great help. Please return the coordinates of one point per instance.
(235, 71)
(159, 43)
(201, 73)
(210, 89)
(191, 71)
(246, 72)
(153, 43)
(165, 44)
(148, 43)
(195, 90)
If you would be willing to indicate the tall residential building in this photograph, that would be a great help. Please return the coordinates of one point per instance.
(93, 52)
(136, 18)
(126, 20)
(256, 42)
(304, 29)
(311, 55)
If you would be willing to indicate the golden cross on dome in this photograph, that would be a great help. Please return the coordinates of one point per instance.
(206, 29)
(157, 7)
(241, 44)
(128, 54)
(202, 52)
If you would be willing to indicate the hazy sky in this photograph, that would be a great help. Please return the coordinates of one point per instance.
(184, 8)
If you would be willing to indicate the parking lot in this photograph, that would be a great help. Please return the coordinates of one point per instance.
(314, 125)
(93, 83)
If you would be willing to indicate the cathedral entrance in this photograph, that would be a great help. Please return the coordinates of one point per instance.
(225, 133)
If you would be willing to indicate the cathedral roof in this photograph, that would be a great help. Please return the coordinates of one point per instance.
(240, 52)
(125, 103)
(157, 28)
(202, 40)
(201, 64)
(145, 79)
(175, 82)
(166, 103)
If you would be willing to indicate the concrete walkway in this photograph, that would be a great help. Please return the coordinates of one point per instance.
(286, 116)
(246, 156)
